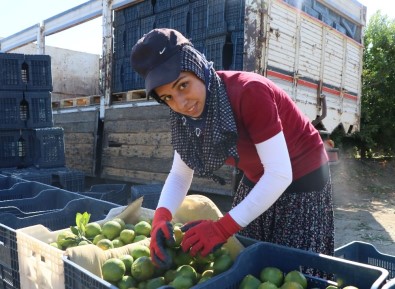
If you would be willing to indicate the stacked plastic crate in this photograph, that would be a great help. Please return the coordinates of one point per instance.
(215, 27)
(30, 146)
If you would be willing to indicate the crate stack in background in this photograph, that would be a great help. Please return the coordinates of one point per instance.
(30, 146)
(215, 27)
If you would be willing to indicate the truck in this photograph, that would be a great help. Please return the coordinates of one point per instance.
(312, 49)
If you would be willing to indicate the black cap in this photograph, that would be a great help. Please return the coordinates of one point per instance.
(157, 57)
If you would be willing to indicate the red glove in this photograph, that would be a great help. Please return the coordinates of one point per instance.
(162, 230)
(206, 235)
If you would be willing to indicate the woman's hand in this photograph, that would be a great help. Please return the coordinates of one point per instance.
(205, 236)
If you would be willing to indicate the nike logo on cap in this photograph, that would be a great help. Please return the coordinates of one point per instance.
(162, 51)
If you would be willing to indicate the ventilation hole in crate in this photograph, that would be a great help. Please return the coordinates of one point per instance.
(25, 72)
(227, 54)
(24, 110)
(21, 147)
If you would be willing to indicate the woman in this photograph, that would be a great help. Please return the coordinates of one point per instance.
(241, 119)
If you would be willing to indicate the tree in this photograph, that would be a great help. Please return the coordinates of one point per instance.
(377, 132)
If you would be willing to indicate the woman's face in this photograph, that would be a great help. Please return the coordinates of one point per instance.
(186, 95)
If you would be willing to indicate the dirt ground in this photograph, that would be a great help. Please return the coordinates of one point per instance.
(364, 203)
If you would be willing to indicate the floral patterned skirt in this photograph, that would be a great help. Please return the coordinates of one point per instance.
(301, 220)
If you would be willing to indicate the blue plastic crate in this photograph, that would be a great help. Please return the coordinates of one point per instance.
(389, 285)
(30, 174)
(7, 182)
(145, 8)
(132, 30)
(13, 113)
(119, 42)
(60, 219)
(39, 109)
(77, 277)
(115, 193)
(198, 22)
(216, 24)
(162, 5)
(49, 147)
(214, 48)
(179, 19)
(150, 194)
(68, 179)
(163, 19)
(23, 190)
(147, 24)
(9, 267)
(235, 14)
(118, 75)
(11, 77)
(237, 38)
(260, 255)
(45, 201)
(176, 3)
(39, 76)
(16, 149)
(366, 253)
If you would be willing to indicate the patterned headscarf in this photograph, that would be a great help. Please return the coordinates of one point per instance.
(205, 144)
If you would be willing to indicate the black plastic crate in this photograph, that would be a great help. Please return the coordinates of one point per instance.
(179, 19)
(214, 48)
(366, 253)
(150, 194)
(260, 255)
(45, 201)
(235, 14)
(39, 109)
(9, 267)
(11, 77)
(198, 22)
(39, 76)
(60, 219)
(13, 110)
(23, 190)
(49, 147)
(162, 5)
(216, 24)
(114, 193)
(16, 149)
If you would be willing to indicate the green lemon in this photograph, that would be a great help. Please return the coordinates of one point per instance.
(249, 282)
(127, 236)
(111, 229)
(142, 268)
(273, 275)
(92, 230)
(113, 270)
(143, 228)
(126, 282)
(296, 276)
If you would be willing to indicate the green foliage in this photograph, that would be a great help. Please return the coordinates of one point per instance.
(377, 132)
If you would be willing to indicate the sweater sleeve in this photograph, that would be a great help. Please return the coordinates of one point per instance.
(176, 185)
(274, 156)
